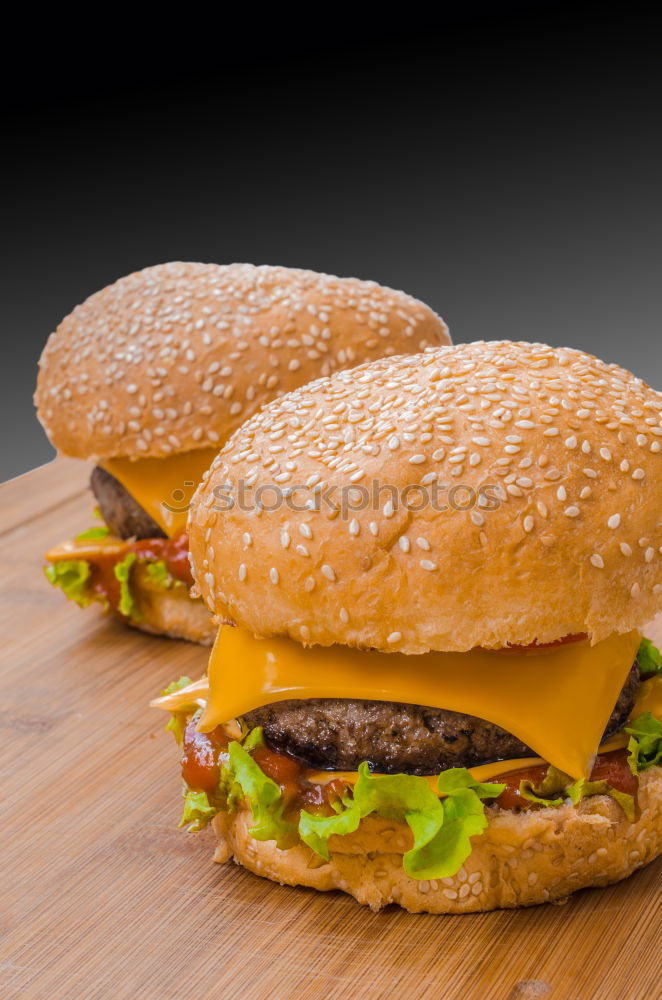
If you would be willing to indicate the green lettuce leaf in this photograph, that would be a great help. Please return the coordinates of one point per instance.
(547, 793)
(243, 777)
(580, 789)
(441, 827)
(122, 570)
(99, 532)
(198, 811)
(176, 685)
(179, 719)
(645, 746)
(557, 787)
(160, 576)
(649, 658)
(72, 576)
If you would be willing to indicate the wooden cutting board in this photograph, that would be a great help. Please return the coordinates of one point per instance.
(104, 897)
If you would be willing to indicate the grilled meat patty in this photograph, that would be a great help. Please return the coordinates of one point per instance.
(123, 515)
(339, 733)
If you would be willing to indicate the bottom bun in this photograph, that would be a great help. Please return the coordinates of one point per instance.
(172, 613)
(521, 859)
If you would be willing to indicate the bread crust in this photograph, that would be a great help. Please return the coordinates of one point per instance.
(521, 859)
(568, 448)
(172, 613)
(175, 357)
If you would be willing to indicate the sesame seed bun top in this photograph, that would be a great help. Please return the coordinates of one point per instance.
(175, 357)
(548, 464)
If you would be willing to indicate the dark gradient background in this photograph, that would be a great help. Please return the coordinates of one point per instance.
(500, 161)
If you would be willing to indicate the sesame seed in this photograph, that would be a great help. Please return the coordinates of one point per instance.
(614, 521)
(273, 575)
(285, 539)
(242, 572)
(389, 509)
(648, 555)
(625, 548)
(528, 523)
(423, 544)
(417, 459)
(426, 564)
(374, 528)
(344, 615)
(354, 527)
(638, 474)
(404, 543)
(571, 442)
(571, 512)
(597, 561)
(561, 493)
(477, 518)
(328, 572)
(394, 637)
(305, 530)
(635, 590)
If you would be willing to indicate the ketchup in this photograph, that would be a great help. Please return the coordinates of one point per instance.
(200, 753)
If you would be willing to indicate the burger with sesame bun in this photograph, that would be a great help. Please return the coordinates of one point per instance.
(149, 377)
(430, 685)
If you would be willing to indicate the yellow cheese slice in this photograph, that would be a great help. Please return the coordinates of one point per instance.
(163, 486)
(649, 699)
(483, 772)
(557, 701)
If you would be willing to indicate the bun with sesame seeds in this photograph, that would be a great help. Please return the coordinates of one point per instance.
(480, 495)
(176, 356)
(149, 376)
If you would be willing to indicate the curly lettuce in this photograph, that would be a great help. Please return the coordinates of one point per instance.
(160, 576)
(649, 659)
(645, 745)
(441, 828)
(556, 788)
(100, 531)
(198, 811)
(122, 572)
(243, 778)
(72, 576)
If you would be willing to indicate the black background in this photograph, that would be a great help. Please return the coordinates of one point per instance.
(500, 161)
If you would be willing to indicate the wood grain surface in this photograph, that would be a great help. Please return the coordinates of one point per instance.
(104, 897)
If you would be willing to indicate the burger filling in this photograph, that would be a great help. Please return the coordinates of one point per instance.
(128, 554)
(440, 772)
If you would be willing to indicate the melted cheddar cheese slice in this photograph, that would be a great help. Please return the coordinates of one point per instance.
(163, 486)
(649, 699)
(557, 701)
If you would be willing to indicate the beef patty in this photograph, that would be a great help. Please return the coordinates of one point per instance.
(123, 515)
(339, 733)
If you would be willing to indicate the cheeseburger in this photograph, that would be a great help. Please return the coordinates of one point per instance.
(150, 376)
(430, 685)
